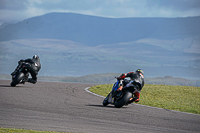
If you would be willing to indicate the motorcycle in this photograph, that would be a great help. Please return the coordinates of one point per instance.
(120, 98)
(22, 75)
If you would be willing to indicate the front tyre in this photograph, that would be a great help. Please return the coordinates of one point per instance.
(125, 99)
(105, 101)
(17, 79)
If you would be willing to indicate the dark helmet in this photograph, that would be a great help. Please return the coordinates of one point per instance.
(36, 57)
(140, 71)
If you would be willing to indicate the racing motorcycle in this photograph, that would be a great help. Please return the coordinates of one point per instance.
(119, 98)
(22, 75)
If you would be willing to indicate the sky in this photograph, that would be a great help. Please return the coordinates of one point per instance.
(18, 10)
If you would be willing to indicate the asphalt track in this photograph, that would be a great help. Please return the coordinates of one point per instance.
(67, 107)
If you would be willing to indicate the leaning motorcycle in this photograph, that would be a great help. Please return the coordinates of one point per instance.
(119, 99)
(22, 75)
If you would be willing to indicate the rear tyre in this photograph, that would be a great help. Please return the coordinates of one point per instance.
(17, 79)
(125, 99)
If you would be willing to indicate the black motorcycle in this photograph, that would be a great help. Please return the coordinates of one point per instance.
(119, 98)
(22, 75)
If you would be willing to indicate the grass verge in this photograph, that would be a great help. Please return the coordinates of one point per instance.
(179, 98)
(12, 130)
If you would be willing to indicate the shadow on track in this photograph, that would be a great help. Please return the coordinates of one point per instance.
(100, 106)
(9, 86)
(5, 86)
(104, 106)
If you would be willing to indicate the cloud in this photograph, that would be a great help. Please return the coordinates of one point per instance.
(13, 4)
(181, 5)
(16, 10)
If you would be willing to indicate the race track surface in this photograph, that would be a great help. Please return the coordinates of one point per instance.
(67, 107)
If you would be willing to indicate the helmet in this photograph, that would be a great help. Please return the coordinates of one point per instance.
(140, 71)
(36, 57)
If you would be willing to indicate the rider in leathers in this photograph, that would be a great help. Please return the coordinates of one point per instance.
(136, 82)
(34, 65)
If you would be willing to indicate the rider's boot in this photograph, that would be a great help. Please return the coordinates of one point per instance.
(136, 98)
(30, 80)
(137, 95)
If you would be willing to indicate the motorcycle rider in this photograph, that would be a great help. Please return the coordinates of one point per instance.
(34, 65)
(136, 82)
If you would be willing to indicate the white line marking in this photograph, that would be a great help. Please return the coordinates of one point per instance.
(87, 89)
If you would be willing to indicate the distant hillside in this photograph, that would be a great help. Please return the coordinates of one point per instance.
(109, 78)
(76, 45)
(91, 30)
(68, 58)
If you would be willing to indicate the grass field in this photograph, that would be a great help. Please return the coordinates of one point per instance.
(12, 130)
(179, 98)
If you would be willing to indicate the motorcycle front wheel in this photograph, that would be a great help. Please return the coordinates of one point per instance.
(17, 79)
(105, 101)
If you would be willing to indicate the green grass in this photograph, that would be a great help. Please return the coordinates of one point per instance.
(12, 130)
(179, 98)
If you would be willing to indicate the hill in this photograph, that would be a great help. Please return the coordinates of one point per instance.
(93, 31)
(76, 45)
(109, 78)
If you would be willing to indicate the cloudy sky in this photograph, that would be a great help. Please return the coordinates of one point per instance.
(18, 10)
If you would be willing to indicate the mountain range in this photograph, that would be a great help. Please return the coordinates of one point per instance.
(75, 45)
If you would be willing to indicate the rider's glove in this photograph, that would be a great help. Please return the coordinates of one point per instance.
(21, 61)
(118, 78)
(13, 73)
(122, 76)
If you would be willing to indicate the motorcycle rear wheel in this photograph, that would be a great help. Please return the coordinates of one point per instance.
(17, 79)
(124, 100)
